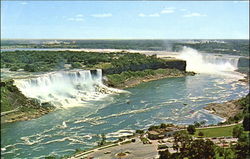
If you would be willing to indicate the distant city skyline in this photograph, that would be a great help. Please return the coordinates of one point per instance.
(124, 20)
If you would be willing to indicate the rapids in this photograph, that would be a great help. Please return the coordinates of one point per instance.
(96, 109)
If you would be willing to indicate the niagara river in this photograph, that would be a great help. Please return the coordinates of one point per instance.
(87, 108)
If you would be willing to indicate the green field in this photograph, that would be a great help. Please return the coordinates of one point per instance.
(216, 132)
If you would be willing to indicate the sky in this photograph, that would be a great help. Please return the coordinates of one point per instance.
(124, 20)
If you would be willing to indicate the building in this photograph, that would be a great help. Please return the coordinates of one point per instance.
(154, 135)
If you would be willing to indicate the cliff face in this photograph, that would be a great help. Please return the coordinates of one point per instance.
(176, 64)
(243, 65)
(243, 62)
(171, 64)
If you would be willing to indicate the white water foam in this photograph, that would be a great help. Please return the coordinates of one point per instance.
(224, 65)
(66, 88)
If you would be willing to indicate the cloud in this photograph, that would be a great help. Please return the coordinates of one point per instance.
(168, 10)
(23, 3)
(141, 15)
(76, 19)
(194, 15)
(79, 15)
(149, 15)
(154, 15)
(104, 15)
(183, 10)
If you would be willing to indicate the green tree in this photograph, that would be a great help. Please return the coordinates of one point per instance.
(200, 134)
(181, 142)
(76, 65)
(191, 129)
(197, 124)
(103, 140)
(163, 126)
(14, 68)
(228, 153)
(242, 150)
(139, 131)
(246, 124)
(201, 149)
(31, 68)
(50, 157)
(164, 154)
(237, 131)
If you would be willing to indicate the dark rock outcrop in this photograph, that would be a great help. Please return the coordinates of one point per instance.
(243, 62)
(171, 64)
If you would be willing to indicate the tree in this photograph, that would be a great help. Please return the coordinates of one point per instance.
(163, 126)
(14, 68)
(164, 154)
(197, 124)
(30, 68)
(76, 65)
(191, 129)
(246, 124)
(242, 150)
(181, 142)
(237, 131)
(200, 134)
(203, 122)
(201, 149)
(153, 127)
(103, 140)
(139, 131)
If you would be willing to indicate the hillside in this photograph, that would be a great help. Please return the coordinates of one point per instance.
(16, 107)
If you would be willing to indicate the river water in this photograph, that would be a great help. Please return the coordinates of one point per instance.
(173, 100)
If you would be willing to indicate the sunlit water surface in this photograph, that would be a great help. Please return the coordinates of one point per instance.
(172, 100)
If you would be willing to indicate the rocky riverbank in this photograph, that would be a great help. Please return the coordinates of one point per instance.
(134, 82)
(224, 110)
(232, 110)
(21, 115)
(131, 79)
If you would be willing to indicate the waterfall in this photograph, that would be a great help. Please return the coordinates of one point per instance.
(209, 63)
(65, 88)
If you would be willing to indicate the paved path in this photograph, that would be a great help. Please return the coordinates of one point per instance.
(218, 126)
(8, 112)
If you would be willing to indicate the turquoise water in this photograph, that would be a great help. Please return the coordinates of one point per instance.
(172, 100)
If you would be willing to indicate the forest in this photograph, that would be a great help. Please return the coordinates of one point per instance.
(43, 61)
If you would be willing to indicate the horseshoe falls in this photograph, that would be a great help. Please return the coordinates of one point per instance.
(209, 63)
(93, 108)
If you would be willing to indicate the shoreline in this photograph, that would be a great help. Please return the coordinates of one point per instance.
(15, 106)
(136, 81)
(25, 116)
(225, 110)
(231, 110)
(36, 112)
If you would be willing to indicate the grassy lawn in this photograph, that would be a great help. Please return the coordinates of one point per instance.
(216, 132)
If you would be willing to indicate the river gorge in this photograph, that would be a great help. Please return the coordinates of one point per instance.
(87, 108)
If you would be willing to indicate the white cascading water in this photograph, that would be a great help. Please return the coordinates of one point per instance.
(65, 88)
(208, 63)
